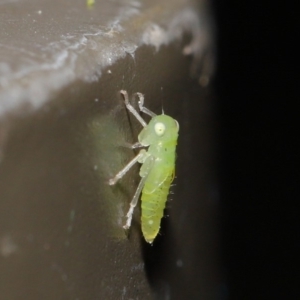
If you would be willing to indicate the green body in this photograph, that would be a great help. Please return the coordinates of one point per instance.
(159, 167)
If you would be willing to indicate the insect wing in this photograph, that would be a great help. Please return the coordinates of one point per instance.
(157, 177)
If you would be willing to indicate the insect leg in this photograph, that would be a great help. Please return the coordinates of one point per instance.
(142, 107)
(136, 145)
(133, 146)
(139, 158)
(132, 109)
(134, 201)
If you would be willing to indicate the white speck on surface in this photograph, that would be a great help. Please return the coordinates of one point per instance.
(120, 215)
(150, 222)
(124, 292)
(138, 267)
(7, 246)
(179, 263)
(57, 268)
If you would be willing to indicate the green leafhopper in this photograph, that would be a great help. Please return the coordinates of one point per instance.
(158, 166)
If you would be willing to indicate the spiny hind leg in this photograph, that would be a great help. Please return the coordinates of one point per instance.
(134, 202)
(138, 191)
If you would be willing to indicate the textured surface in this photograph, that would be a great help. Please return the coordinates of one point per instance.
(46, 45)
(63, 134)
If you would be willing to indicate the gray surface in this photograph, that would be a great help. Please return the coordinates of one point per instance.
(63, 134)
(46, 45)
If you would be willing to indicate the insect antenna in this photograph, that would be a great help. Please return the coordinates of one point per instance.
(162, 103)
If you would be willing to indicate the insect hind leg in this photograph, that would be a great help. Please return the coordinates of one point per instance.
(138, 191)
(134, 202)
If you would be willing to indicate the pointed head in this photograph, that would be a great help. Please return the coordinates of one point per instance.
(161, 127)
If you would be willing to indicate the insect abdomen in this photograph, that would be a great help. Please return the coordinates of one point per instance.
(153, 205)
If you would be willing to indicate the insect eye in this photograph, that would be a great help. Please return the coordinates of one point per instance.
(159, 129)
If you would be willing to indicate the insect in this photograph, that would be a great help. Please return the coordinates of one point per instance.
(158, 166)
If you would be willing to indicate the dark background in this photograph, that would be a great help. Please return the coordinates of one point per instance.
(259, 178)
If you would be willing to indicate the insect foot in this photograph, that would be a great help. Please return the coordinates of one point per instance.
(112, 181)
